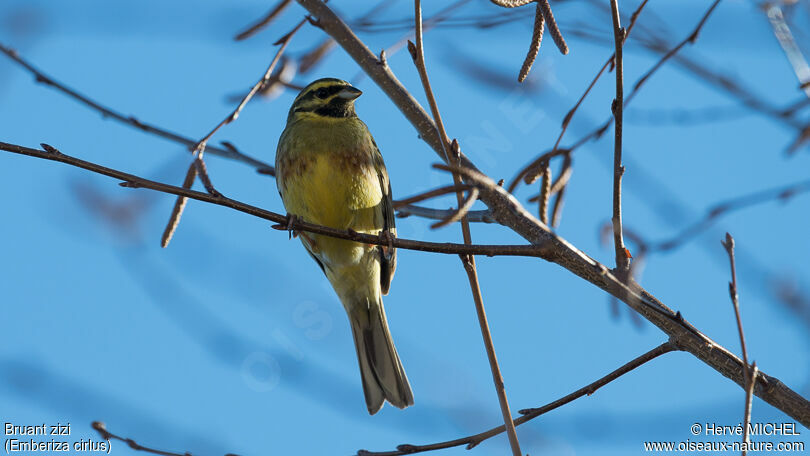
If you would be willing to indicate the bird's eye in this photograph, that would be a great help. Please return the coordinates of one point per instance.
(321, 93)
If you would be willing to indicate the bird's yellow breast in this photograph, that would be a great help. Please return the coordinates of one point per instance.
(327, 173)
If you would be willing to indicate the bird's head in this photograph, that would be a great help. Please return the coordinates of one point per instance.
(325, 98)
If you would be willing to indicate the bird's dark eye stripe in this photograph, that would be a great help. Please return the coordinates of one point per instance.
(325, 92)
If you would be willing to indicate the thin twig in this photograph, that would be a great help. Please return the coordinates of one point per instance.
(263, 22)
(728, 243)
(313, 57)
(279, 82)
(432, 21)
(101, 428)
(636, 266)
(801, 139)
(688, 40)
(133, 181)
(106, 112)
(532, 413)
(717, 210)
(622, 257)
(531, 172)
(749, 402)
(430, 194)
(483, 216)
(197, 166)
(462, 211)
(390, 50)
(727, 83)
(482, 21)
(452, 156)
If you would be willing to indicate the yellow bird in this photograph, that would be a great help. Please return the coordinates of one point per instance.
(330, 172)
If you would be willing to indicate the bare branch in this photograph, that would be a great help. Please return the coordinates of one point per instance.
(728, 243)
(263, 22)
(432, 21)
(462, 211)
(622, 256)
(106, 112)
(688, 40)
(531, 172)
(101, 428)
(802, 139)
(728, 84)
(430, 194)
(714, 212)
(749, 396)
(133, 181)
(408, 210)
(530, 414)
(311, 58)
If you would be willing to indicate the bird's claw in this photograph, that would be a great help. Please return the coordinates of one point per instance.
(388, 237)
(291, 220)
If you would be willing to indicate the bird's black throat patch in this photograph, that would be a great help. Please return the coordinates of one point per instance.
(337, 107)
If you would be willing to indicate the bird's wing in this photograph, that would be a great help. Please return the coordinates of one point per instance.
(388, 255)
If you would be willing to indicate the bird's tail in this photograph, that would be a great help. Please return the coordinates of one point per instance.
(382, 372)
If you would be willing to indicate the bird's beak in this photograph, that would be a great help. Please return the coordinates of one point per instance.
(349, 93)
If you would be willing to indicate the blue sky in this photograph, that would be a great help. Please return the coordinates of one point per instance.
(231, 340)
